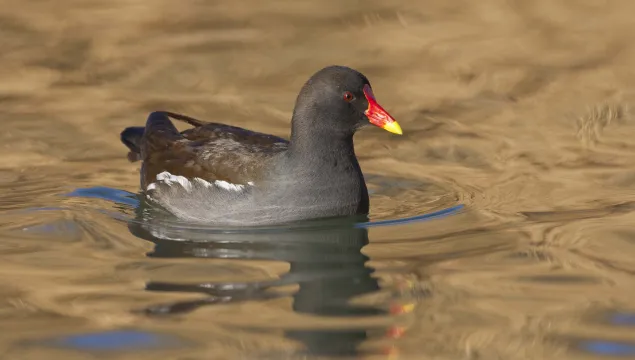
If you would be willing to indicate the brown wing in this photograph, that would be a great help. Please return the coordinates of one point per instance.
(209, 151)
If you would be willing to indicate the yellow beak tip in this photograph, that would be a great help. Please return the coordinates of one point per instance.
(393, 127)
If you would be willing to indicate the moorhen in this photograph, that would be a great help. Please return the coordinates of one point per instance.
(226, 175)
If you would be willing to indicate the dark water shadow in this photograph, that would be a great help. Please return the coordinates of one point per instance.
(325, 260)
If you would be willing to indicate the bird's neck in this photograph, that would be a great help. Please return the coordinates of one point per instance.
(328, 175)
(325, 146)
(311, 141)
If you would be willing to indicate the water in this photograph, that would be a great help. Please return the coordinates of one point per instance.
(501, 222)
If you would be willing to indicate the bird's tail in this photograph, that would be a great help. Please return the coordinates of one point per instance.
(187, 119)
(131, 137)
(159, 126)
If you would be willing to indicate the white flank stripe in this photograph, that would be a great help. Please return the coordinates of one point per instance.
(169, 179)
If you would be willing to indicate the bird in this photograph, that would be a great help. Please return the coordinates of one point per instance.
(219, 174)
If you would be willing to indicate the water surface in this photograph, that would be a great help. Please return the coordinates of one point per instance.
(501, 223)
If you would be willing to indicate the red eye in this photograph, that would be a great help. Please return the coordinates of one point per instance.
(348, 96)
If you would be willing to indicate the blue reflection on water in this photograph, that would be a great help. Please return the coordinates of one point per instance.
(424, 217)
(608, 348)
(114, 341)
(106, 193)
(623, 319)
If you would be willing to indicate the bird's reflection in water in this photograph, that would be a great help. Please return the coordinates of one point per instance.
(325, 261)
